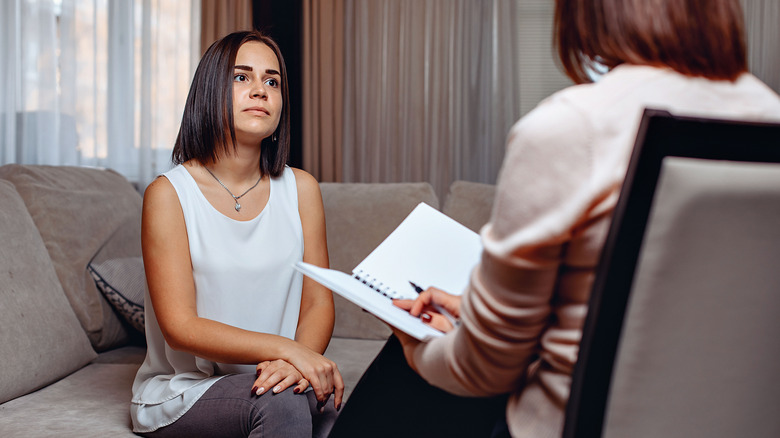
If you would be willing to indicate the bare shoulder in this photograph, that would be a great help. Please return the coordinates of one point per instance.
(159, 186)
(160, 193)
(161, 205)
(163, 229)
(308, 187)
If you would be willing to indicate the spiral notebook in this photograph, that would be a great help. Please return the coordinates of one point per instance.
(427, 248)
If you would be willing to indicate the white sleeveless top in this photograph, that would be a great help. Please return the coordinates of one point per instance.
(244, 277)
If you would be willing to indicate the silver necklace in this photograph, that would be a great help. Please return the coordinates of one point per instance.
(235, 198)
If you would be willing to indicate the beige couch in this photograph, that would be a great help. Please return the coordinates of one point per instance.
(70, 349)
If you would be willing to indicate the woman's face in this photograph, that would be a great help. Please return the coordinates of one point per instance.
(257, 93)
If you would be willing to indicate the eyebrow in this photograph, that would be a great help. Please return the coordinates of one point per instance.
(269, 71)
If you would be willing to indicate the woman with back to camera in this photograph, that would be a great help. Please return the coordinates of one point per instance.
(235, 336)
(522, 314)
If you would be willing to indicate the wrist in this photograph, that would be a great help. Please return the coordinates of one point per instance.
(286, 350)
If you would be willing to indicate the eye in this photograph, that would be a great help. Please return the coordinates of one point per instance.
(240, 77)
(271, 82)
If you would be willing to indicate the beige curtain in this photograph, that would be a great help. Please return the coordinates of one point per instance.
(430, 87)
(763, 36)
(426, 90)
(323, 88)
(221, 17)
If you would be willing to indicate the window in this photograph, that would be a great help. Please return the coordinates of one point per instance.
(95, 82)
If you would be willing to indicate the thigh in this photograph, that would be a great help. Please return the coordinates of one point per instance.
(391, 400)
(230, 409)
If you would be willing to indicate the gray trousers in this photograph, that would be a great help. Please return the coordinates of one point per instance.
(229, 409)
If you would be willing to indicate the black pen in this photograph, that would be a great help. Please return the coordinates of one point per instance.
(454, 321)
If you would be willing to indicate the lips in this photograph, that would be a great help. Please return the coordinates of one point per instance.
(258, 110)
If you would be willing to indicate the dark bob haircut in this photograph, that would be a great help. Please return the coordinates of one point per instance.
(702, 38)
(207, 128)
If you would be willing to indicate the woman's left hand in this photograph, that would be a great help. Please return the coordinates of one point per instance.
(278, 375)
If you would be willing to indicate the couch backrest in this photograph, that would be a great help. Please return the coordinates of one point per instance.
(88, 215)
(358, 217)
(77, 210)
(469, 203)
(41, 339)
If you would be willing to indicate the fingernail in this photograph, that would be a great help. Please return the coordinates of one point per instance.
(425, 317)
(257, 374)
(296, 390)
(254, 390)
(260, 390)
(338, 407)
(276, 389)
(320, 405)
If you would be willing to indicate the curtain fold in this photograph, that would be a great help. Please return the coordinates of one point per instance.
(763, 38)
(221, 17)
(37, 124)
(323, 88)
(424, 90)
(433, 86)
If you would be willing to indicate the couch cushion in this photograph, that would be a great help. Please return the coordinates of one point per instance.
(123, 283)
(358, 217)
(76, 211)
(134, 354)
(93, 402)
(41, 339)
(470, 203)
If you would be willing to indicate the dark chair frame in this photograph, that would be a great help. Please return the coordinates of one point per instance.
(660, 135)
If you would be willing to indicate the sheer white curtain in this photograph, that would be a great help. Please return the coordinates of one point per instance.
(431, 87)
(33, 129)
(95, 82)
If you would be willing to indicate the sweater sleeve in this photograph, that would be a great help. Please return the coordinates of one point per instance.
(543, 192)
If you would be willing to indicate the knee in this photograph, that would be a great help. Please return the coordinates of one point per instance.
(285, 411)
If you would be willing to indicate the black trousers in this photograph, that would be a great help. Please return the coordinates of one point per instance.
(391, 400)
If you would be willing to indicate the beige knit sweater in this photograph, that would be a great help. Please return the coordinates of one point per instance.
(524, 310)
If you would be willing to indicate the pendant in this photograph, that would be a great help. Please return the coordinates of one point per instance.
(238, 206)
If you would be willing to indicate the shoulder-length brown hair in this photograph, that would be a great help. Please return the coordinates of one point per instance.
(207, 128)
(694, 37)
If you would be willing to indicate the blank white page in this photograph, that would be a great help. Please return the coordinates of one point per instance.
(428, 248)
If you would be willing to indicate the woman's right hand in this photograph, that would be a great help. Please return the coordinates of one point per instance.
(322, 373)
(278, 375)
(425, 307)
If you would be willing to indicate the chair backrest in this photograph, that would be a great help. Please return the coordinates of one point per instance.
(681, 337)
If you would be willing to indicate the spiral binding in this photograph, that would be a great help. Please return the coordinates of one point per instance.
(374, 284)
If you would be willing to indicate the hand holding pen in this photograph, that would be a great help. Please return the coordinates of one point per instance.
(444, 305)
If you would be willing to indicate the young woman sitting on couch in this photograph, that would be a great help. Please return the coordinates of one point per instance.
(235, 336)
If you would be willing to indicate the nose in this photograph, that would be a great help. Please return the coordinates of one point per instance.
(259, 91)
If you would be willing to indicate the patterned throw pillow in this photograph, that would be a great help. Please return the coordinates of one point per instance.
(123, 283)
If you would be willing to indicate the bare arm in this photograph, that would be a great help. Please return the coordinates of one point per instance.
(315, 325)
